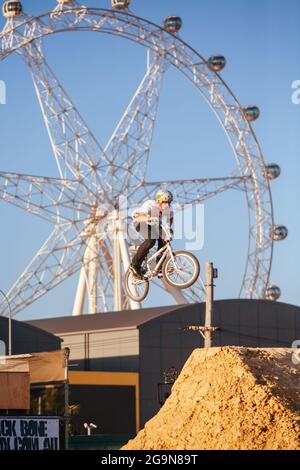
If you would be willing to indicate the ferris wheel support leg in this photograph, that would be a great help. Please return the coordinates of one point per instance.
(80, 294)
(126, 263)
(117, 267)
(93, 267)
(83, 283)
(176, 293)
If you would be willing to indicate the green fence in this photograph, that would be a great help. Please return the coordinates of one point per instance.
(99, 442)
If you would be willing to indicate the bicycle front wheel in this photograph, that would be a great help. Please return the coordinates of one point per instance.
(182, 270)
(136, 289)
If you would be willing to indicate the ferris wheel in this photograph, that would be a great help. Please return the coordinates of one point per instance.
(84, 203)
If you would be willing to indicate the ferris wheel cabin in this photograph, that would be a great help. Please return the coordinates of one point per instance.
(251, 113)
(12, 9)
(272, 171)
(173, 24)
(272, 293)
(279, 232)
(216, 63)
(120, 4)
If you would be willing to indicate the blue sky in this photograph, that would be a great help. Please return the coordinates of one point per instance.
(261, 42)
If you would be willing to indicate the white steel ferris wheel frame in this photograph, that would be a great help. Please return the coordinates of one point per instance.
(81, 203)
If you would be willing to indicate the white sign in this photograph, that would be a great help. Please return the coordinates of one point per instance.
(29, 433)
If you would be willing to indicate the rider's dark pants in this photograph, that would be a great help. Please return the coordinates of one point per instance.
(152, 234)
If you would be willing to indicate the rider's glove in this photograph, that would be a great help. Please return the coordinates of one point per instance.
(153, 221)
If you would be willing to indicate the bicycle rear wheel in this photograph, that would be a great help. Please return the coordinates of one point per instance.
(182, 271)
(136, 289)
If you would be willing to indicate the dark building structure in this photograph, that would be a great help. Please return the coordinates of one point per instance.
(121, 358)
(26, 338)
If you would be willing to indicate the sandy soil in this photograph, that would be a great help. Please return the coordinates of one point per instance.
(229, 398)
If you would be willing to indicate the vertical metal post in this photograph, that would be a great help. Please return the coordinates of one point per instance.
(40, 405)
(67, 417)
(117, 264)
(209, 304)
(9, 331)
(9, 322)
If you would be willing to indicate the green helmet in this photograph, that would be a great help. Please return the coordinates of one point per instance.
(163, 195)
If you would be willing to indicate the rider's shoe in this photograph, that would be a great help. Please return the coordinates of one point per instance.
(136, 271)
(160, 275)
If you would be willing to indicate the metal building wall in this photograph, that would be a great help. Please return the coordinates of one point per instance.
(113, 351)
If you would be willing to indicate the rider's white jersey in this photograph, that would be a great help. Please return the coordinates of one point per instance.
(149, 207)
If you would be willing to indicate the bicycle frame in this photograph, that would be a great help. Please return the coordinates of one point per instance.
(164, 251)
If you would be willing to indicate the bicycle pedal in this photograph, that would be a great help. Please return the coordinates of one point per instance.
(136, 273)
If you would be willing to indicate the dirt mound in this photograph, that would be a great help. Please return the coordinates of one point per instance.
(229, 398)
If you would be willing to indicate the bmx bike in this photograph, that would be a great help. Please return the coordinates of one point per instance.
(179, 269)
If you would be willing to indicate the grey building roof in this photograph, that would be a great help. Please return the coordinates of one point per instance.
(229, 311)
(103, 321)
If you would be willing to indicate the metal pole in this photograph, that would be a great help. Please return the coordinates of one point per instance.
(9, 322)
(209, 304)
(67, 416)
(117, 265)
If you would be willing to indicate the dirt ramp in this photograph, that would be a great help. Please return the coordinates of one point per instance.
(229, 398)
